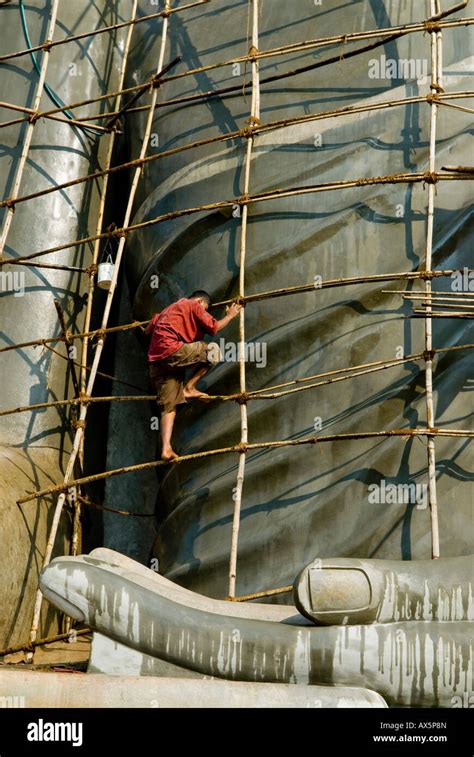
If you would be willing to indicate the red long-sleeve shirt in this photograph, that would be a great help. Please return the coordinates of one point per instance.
(183, 322)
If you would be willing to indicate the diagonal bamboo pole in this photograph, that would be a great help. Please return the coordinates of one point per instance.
(30, 128)
(100, 344)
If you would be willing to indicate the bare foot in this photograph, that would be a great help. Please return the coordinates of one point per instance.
(168, 454)
(193, 393)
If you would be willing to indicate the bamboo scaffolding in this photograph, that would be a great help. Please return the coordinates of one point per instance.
(239, 448)
(156, 81)
(401, 178)
(80, 426)
(435, 84)
(85, 35)
(304, 45)
(241, 133)
(388, 34)
(430, 177)
(237, 493)
(343, 39)
(79, 463)
(257, 394)
(235, 89)
(374, 364)
(30, 128)
(51, 113)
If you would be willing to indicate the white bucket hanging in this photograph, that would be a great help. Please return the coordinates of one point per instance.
(105, 272)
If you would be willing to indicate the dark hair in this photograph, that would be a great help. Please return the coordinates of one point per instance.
(200, 294)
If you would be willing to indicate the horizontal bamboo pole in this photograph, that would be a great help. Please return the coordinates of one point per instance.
(431, 304)
(341, 282)
(29, 646)
(257, 394)
(460, 169)
(422, 314)
(54, 339)
(331, 283)
(81, 400)
(242, 133)
(51, 266)
(401, 178)
(248, 447)
(432, 297)
(437, 294)
(260, 594)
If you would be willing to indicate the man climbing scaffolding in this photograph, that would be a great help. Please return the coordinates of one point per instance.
(176, 344)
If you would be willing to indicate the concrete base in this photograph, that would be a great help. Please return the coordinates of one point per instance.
(26, 689)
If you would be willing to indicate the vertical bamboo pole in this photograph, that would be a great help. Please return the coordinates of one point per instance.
(29, 128)
(100, 343)
(254, 119)
(100, 216)
(91, 286)
(436, 67)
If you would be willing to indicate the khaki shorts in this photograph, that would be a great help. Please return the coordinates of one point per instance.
(168, 376)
